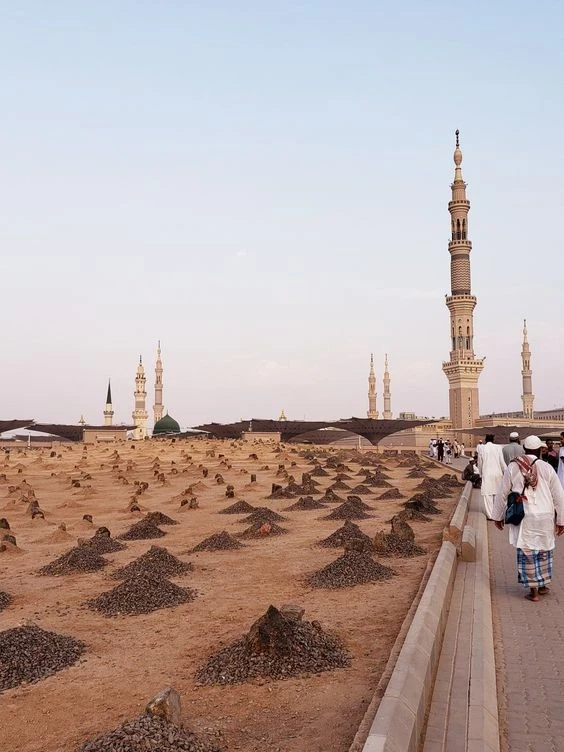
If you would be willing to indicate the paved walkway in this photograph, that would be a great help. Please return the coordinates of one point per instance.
(531, 656)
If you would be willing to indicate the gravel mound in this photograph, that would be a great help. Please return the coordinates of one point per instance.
(349, 510)
(392, 493)
(28, 654)
(263, 530)
(148, 733)
(240, 507)
(417, 472)
(331, 496)
(78, 559)
(5, 600)
(276, 647)
(422, 502)
(160, 519)
(361, 489)
(339, 485)
(141, 595)
(352, 568)
(156, 561)
(218, 542)
(145, 529)
(102, 542)
(377, 483)
(305, 503)
(319, 472)
(347, 532)
(262, 515)
(392, 545)
(435, 487)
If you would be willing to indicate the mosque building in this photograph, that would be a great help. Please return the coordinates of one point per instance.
(164, 424)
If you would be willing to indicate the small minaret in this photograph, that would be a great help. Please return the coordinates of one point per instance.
(282, 415)
(528, 397)
(140, 414)
(372, 411)
(158, 408)
(109, 411)
(387, 414)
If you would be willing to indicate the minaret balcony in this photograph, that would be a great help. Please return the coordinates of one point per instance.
(459, 243)
(458, 202)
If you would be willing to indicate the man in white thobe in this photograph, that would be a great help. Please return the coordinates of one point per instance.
(534, 536)
(561, 460)
(491, 467)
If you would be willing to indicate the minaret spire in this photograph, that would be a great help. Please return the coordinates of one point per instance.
(527, 397)
(372, 411)
(139, 413)
(158, 408)
(387, 414)
(109, 410)
(463, 369)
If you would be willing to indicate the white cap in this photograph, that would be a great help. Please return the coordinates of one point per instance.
(533, 442)
(513, 435)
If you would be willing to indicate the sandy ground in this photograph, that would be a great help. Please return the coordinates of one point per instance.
(130, 658)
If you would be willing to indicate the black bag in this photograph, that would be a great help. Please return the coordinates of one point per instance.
(514, 511)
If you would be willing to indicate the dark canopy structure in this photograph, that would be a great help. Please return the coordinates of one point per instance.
(292, 430)
(13, 425)
(501, 433)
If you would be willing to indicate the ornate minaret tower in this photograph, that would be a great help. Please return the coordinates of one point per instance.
(463, 369)
(109, 411)
(528, 397)
(387, 414)
(158, 406)
(140, 414)
(372, 411)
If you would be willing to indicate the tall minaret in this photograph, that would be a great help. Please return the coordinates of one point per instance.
(140, 414)
(109, 411)
(463, 369)
(528, 397)
(387, 414)
(372, 411)
(158, 406)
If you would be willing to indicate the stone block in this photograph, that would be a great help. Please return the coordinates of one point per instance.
(468, 547)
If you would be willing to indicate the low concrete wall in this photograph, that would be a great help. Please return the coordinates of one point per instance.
(458, 520)
(400, 717)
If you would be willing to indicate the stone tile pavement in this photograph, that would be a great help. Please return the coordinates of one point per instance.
(529, 653)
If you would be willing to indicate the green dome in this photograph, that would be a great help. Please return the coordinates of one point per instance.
(166, 425)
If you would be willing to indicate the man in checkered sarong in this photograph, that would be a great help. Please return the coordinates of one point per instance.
(534, 538)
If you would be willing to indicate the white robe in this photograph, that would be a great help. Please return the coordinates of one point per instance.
(536, 531)
(491, 467)
(561, 466)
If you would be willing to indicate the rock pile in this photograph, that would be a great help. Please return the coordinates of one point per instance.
(423, 503)
(392, 493)
(262, 515)
(5, 600)
(145, 529)
(29, 653)
(160, 519)
(305, 503)
(148, 733)
(156, 561)
(240, 507)
(218, 542)
(276, 647)
(103, 543)
(352, 509)
(141, 595)
(352, 568)
(341, 537)
(263, 530)
(399, 542)
(78, 559)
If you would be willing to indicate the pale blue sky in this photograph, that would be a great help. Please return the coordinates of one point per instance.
(264, 186)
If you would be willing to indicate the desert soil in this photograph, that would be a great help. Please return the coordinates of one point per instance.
(130, 658)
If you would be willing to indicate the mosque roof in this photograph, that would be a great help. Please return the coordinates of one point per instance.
(13, 425)
(166, 424)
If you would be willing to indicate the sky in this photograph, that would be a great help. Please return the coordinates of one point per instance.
(263, 186)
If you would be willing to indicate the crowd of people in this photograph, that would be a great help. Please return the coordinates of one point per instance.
(445, 451)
